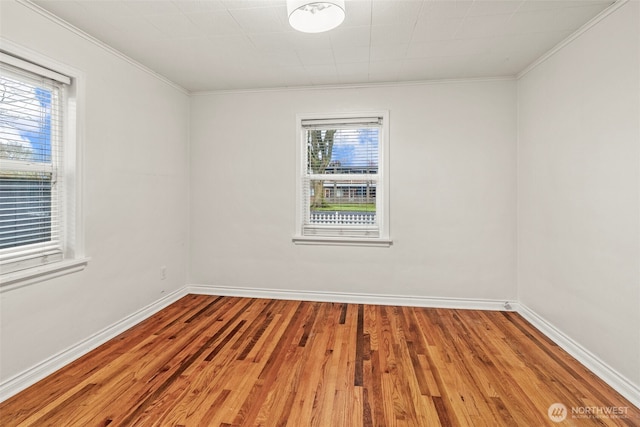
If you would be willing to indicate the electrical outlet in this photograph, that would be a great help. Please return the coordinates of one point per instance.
(163, 272)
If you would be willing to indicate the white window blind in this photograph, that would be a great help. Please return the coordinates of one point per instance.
(31, 165)
(341, 176)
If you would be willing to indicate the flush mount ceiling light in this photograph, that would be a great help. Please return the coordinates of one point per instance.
(311, 16)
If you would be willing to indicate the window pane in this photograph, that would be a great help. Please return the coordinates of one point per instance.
(27, 135)
(342, 184)
(342, 202)
(25, 120)
(344, 151)
(25, 209)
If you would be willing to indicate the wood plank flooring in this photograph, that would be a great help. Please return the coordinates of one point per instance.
(225, 361)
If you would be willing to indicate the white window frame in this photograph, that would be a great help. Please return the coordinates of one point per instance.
(382, 186)
(71, 258)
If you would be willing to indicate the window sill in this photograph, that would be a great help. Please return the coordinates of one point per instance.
(341, 241)
(18, 279)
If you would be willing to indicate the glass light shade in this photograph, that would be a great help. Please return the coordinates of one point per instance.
(311, 16)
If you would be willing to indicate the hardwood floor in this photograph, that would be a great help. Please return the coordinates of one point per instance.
(223, 361)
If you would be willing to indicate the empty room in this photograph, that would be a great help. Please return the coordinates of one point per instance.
(327, 213)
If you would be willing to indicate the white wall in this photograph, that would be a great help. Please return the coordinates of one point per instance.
(452, 173)
(578, 191)
(136, 144)
(453, 194)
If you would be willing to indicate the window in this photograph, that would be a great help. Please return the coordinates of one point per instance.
(342, 185)
(38, 176)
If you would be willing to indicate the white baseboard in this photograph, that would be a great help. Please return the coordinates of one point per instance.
(353, 298)
(34, 374)
(609, 375)
(48, 366)
(605, 372)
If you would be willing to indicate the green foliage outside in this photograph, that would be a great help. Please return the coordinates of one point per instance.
(352, 207)
(319, 151)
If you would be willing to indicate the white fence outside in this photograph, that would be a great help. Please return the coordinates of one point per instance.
(343, 218)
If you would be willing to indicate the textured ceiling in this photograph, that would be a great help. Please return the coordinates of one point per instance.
(205, 45)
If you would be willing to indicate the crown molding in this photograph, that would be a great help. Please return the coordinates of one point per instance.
(566, 42)
(355, 85)
(615, 6)
(59, 21)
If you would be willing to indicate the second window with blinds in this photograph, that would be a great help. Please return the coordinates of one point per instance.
(343, 178)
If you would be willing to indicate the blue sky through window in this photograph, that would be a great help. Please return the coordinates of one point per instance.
(25, 121)
(41, 140)
(356, 148)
